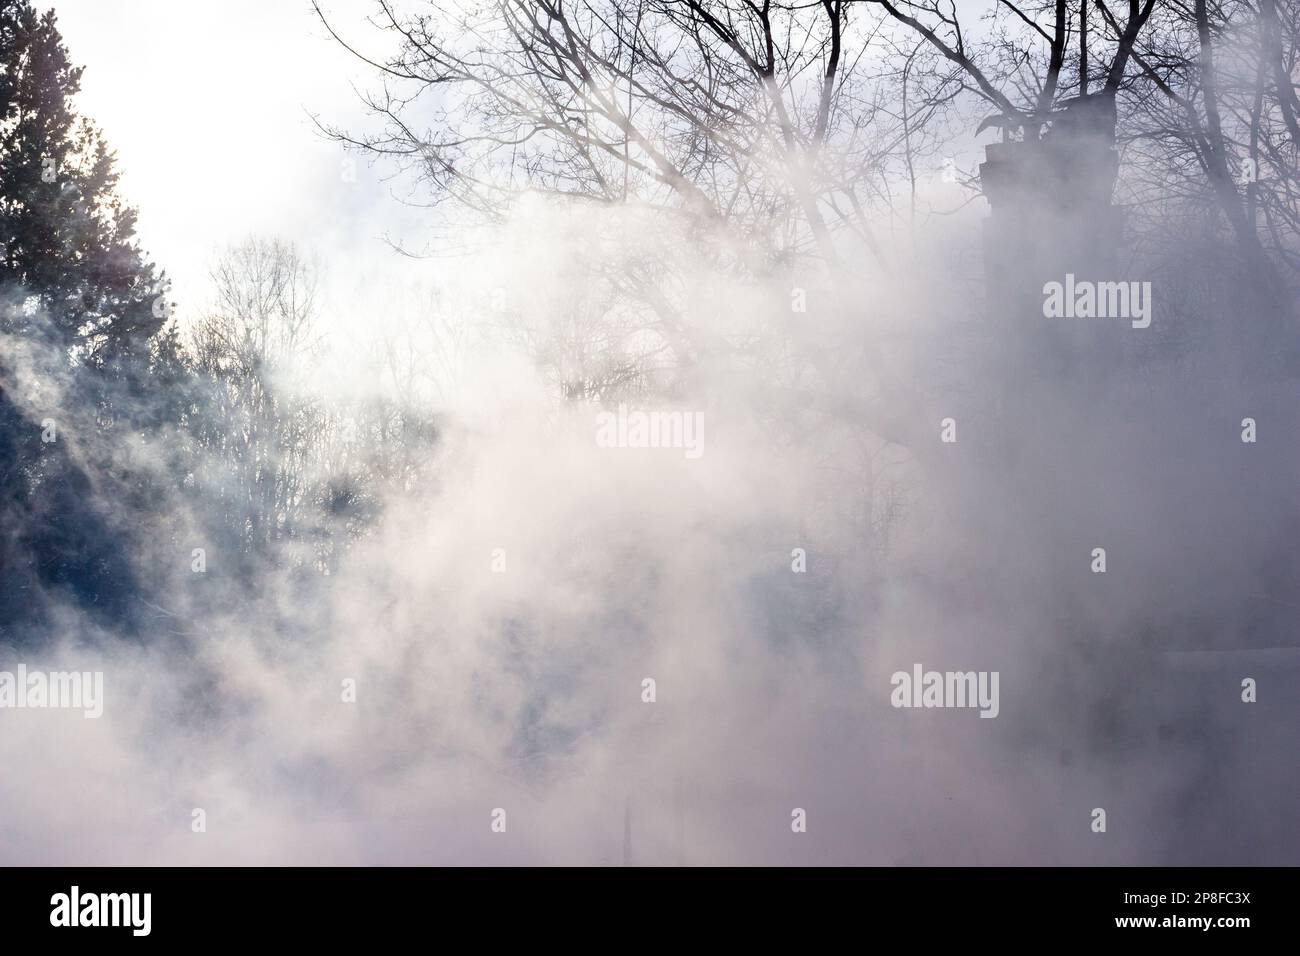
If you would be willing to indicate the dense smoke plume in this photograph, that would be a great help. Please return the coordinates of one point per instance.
(394, 573)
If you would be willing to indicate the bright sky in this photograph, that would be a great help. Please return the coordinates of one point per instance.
(207, 105)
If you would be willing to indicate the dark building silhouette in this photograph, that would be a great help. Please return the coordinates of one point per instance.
(1052, 217)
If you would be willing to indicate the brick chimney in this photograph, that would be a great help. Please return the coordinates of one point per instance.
(1051, 216)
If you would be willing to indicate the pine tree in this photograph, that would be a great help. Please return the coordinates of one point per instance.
(69, 241)
(78, 300)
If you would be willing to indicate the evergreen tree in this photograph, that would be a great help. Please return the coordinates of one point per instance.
(69, 239)
(79, 299)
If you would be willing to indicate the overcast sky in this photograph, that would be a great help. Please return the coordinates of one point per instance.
(208, 108)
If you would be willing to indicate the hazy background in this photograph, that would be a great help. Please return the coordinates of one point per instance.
(458, 391)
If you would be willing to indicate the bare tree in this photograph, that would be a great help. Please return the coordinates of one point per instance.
(760, 118)
(290, 471)
(257, 436)
(761, 133)
(1016, 58)
(1213, 131)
